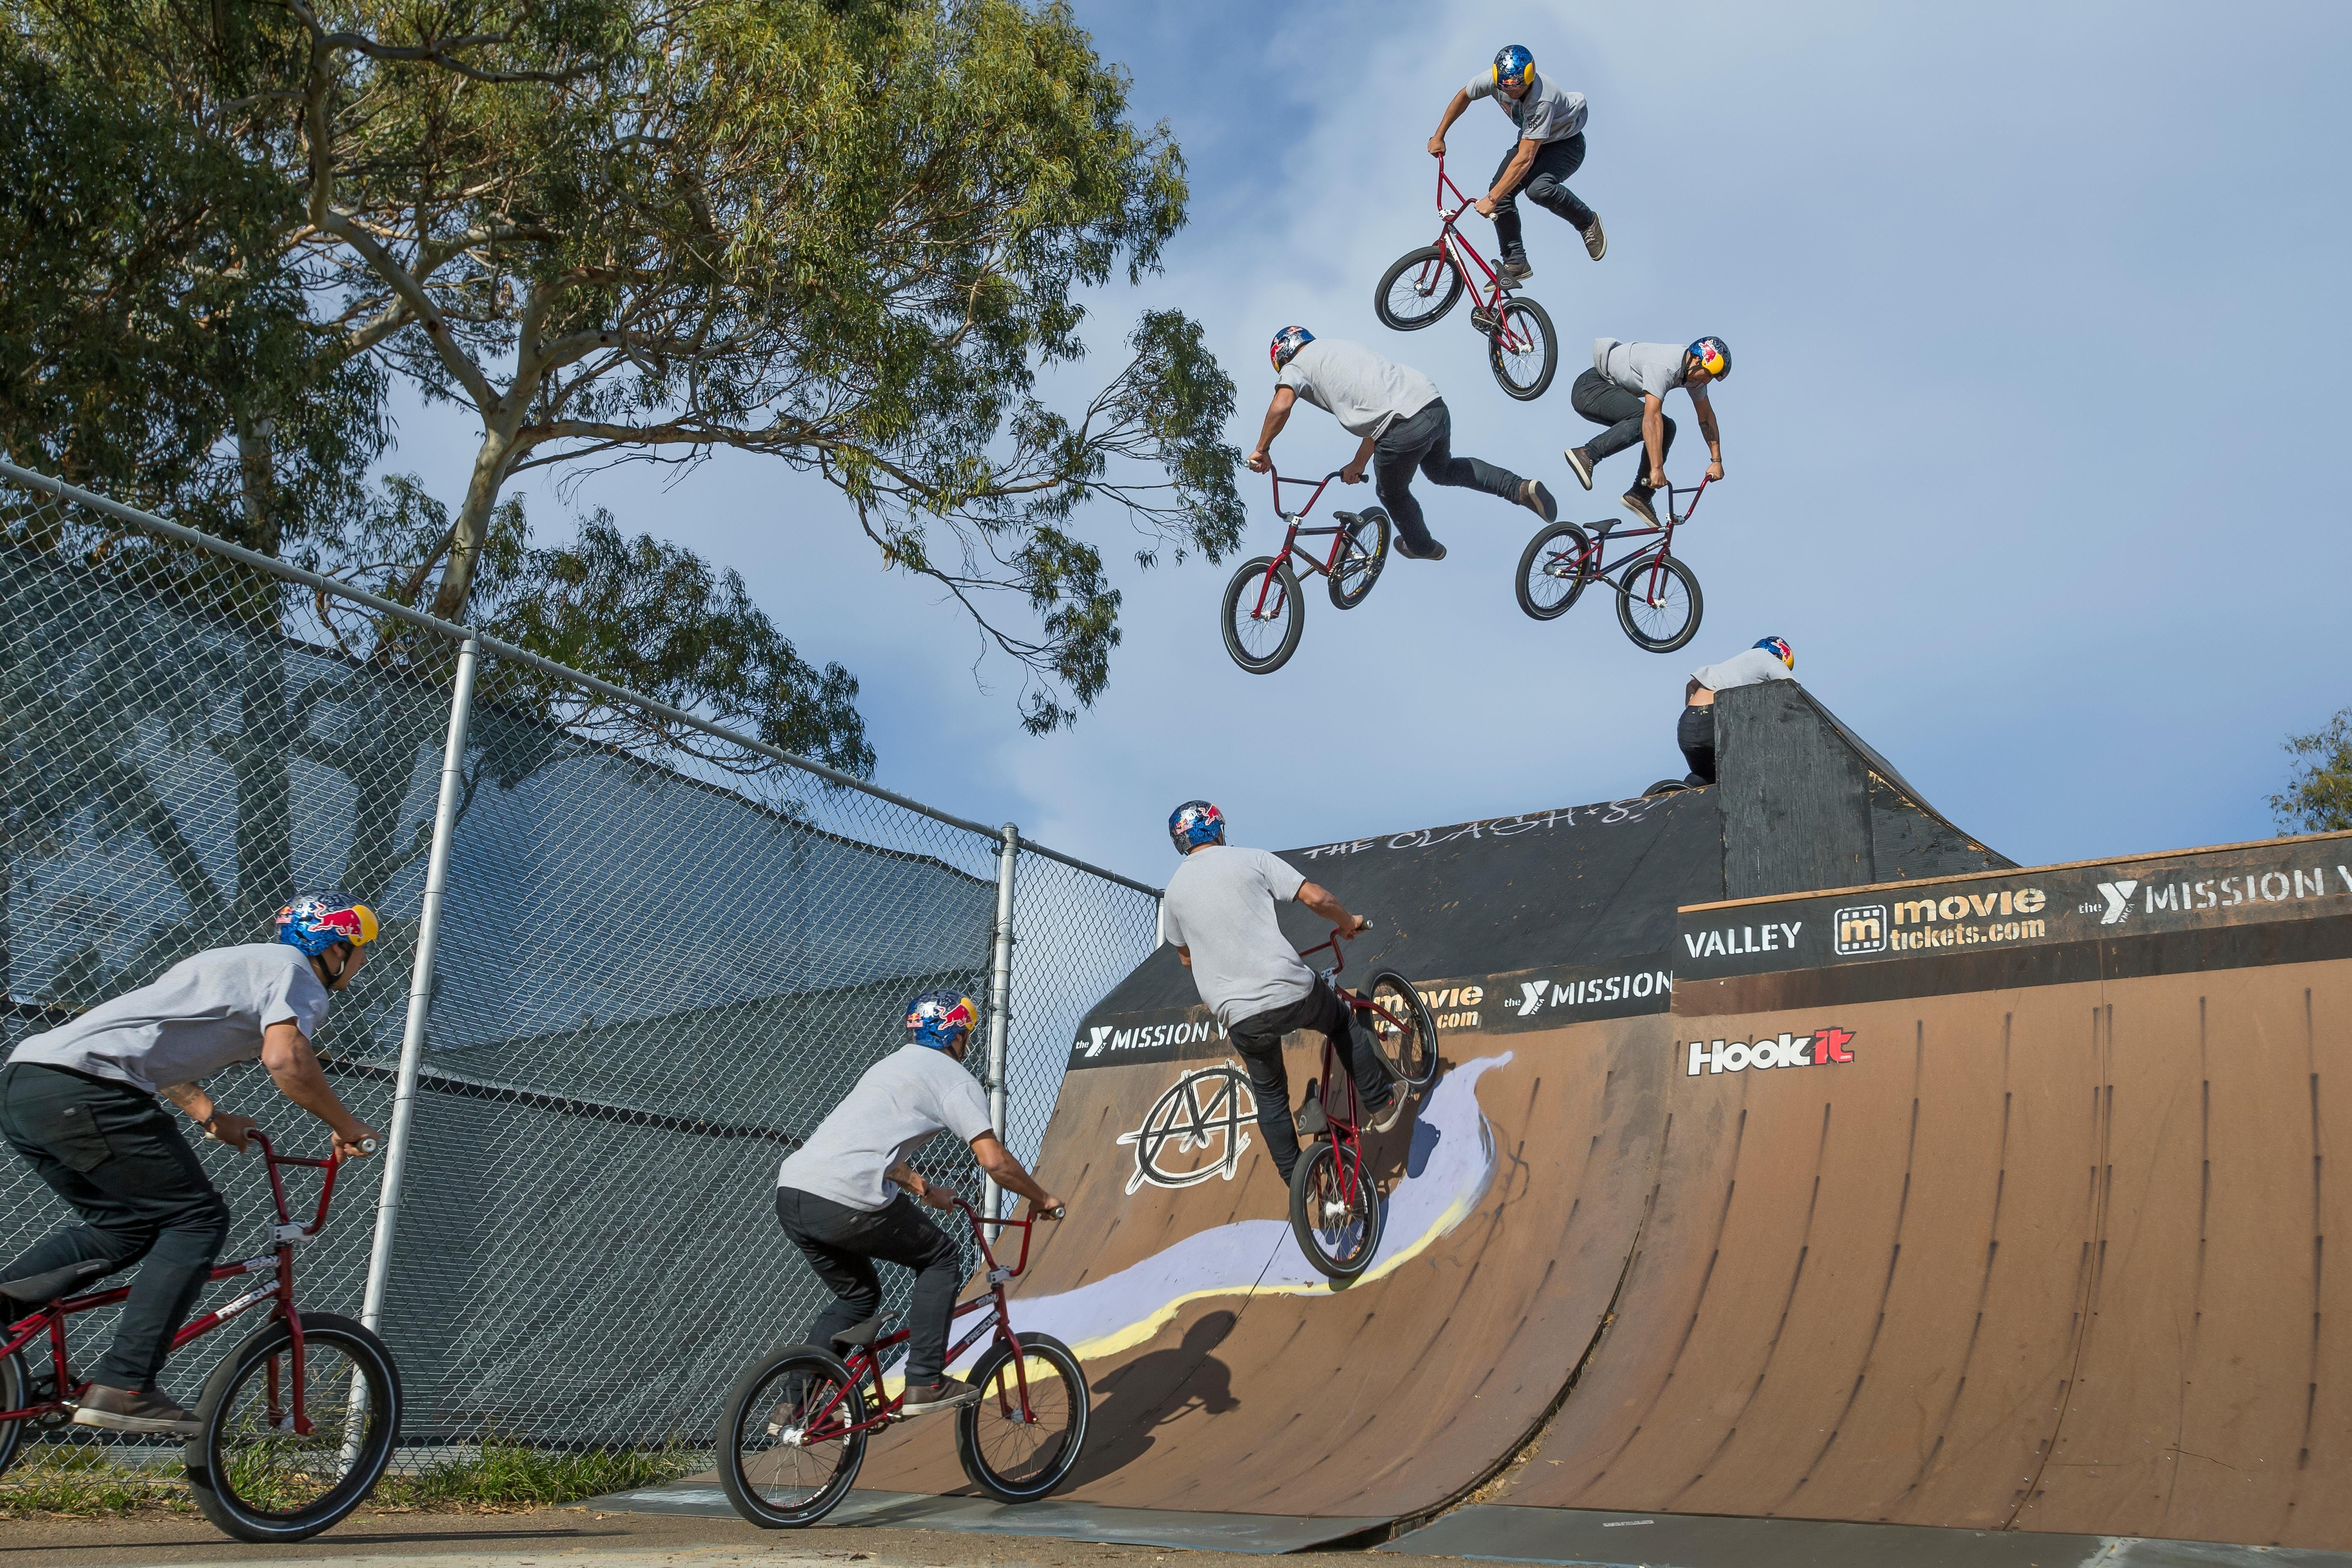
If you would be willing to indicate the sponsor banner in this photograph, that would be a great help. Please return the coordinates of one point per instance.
(1549, 998)
(2216, 891)
(1827, 1047)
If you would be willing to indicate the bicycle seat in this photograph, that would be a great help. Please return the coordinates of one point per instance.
(858, 1336)
(33, 1289)
(1311, 1120)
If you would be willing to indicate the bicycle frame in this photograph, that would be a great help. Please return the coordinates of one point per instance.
(1487, 297)
(1297, 531)
(1345, 1129)
(286, 1236)
(1591, 561)
(864, 1362)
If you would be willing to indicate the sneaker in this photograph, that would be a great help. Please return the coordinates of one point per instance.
(1638, 503)
(1537, 500)
(940, 1393)
(135, 1410)
(1515, 264)
(1387, 1116)
(1596, 244)
(1436, 552)
(1580, 462)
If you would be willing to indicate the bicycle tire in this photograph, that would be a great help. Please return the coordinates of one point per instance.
(1352, 1228)
(1413, 1057)
(1291, 611)
(1526, 317)
(248, 1471)
(988, 1417)
(16, 1393)
(1415, 291)
(1661, 633)
(1562, 544)
(761, 1390)
(1358, 567)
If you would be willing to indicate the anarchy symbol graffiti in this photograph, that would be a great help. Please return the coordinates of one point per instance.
(1208, 1110)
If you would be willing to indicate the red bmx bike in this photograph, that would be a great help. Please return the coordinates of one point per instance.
(1658, 601)
(1263, 616)
(793, 1433)
(1335, 1207)
(299, 1420)
(1421, 285)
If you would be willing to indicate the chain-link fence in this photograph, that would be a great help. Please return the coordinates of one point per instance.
(659, 954)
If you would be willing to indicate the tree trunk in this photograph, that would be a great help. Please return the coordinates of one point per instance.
(489, 477)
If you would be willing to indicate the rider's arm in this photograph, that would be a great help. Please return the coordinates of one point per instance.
(1522, 159)
(1654, 441)
(911, 1179)
(1714, 437)
(1353, 473)
(1330, 908)
(1277, 415)
(1184, 956)
(294, 1067)
(1454, 111)
(1008, 1172)
(222, 1126)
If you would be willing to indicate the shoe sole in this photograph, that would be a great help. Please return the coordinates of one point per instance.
(1541, 503)
(1583, 471)
(1646, 514)
(1597, 255)
(970, 1398)
(145, 1425)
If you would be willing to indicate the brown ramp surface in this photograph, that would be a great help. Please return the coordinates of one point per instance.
(2046, 1253)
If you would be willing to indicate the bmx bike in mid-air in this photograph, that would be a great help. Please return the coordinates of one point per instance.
(1335, 1206)
(792, 1436)
(1423, 284)
(1263, 615)
(297, 1421)
(1658, 600)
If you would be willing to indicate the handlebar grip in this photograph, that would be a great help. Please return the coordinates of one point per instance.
(1057, 1211)
(367, 1145)
(1368, 925)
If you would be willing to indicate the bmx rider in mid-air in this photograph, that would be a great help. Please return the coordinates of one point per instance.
(1219, 915)
(1626, 391)
(1550, 123)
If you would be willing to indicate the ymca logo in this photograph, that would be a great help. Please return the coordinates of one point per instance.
(1202, 1111)
(1860, 928)
(1822, 1048)
(1101, 1034)
(2119, 897)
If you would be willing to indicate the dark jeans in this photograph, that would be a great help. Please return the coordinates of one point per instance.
(118, 1156)
(1604, 402)
(1696, 736)
(1258, 1037)
(1546, 186)
(1425, 441)
(840, 1244)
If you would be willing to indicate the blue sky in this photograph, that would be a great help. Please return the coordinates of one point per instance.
(2028, 443)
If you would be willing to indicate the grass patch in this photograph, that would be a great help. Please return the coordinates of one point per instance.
(89, 1482)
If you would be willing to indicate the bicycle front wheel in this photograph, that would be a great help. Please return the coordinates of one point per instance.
(1363, 550)
(1418, 287)
(1263, 618)
(1524, 351)
(792, 1437)
(252, 1473)
(16, 1393)
(1658, 603)
(1553, 570)
(1334, 1211)
(1403, 1028)
(1019, 1452)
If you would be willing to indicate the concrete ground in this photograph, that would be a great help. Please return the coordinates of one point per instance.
(552, 1538)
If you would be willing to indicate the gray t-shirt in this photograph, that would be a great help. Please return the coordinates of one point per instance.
(1356, 386)
(1653, 368)
(1741, 669)
(1220, 905)
(900, 1103)
(200, 1016)
(1546, 112)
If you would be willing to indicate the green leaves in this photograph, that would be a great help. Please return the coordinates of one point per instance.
(2319, 800)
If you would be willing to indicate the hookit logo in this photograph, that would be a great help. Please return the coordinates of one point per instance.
(1822, 1048)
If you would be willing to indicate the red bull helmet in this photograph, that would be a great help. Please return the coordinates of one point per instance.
(1779, 648)
(317, 922)
(1193, 824)
(941, 1018)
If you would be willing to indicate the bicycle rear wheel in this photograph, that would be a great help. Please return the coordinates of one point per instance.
(1523, 365)
(1018, 1459)
(252, 1473)
(16, 1393)
(1553, 570)
(1658, 603)
(1334, 1212)
(1263, 621)
(776, 1470)
(1363, 550)
(1418, 287)
(1403, 1028)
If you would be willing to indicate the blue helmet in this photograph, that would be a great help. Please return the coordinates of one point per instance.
(1713, 355)
(1779, 648)
(1514, 63)
(317, 922)
(941, 1018)
(1288, 343)
(1193, 824)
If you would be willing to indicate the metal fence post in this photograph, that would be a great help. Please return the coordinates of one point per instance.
(999, 996)
(420, 981)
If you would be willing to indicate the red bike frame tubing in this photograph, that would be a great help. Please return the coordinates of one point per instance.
(1290, 548)
(280, 1260)
(1451, 241)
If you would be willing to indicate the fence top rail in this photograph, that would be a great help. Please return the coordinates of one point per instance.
(199, 540)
